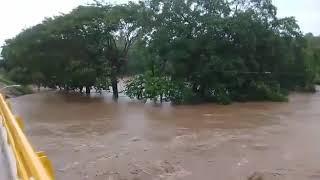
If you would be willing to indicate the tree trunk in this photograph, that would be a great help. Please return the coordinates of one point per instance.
(88, 89)
(194, 88)
(114, 84)
(81, 89)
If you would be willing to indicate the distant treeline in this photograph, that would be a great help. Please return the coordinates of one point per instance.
(182, 51)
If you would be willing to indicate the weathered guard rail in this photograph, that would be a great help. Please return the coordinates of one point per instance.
(24, 162)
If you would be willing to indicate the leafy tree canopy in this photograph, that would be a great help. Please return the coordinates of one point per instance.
(184, 51)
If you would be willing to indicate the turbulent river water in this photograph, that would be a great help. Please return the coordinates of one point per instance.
(96, 138)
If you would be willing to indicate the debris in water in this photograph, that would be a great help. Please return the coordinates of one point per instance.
(265, 176)
(69, 166)
(260, 146)
(135, 139)
(256, 176)
(242, 162)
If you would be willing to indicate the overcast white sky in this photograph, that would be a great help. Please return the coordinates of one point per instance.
(16, 15)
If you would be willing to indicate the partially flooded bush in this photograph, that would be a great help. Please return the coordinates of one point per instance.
(149, 87)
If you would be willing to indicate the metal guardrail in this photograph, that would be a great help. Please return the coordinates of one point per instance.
(27, 164)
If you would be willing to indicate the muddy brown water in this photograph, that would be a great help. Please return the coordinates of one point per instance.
(96, 138)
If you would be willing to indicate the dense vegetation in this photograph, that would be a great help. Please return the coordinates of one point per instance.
(182, 51)
(312, 55)
(85, 48)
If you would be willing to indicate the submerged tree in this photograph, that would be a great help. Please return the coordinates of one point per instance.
(75, 50)
(224, 50)
(185, 50)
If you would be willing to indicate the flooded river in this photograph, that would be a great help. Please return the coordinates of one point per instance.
(96, 138)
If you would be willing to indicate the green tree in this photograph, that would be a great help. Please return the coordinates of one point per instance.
(185, 50)
(225, 50)
(75, 50)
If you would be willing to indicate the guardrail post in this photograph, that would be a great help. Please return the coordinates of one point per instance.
(29, 164)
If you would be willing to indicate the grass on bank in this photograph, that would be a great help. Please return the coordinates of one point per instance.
(21, 90)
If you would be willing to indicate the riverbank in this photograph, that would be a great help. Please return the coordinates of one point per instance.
(13, 91)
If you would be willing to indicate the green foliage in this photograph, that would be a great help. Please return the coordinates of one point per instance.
(225, 51)
(137, 59)
(261, 91)
(75, 50)
(102, 84)
(149, 86)
(184, 51)
(135, 87)
(312, 59)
